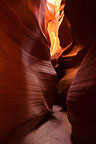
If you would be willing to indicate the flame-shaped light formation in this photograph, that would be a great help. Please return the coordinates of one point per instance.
(54, 7)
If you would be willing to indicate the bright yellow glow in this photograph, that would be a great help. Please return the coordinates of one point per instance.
(55, 43)
(53, 27)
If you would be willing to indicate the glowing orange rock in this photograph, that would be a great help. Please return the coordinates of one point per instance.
(55, 19)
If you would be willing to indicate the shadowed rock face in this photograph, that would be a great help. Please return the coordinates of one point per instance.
(65, 33)
(27, 78)
(81, 100)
